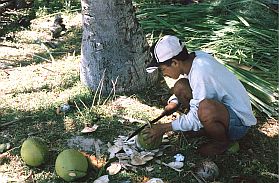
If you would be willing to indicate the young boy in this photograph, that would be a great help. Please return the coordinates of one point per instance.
(218, 103)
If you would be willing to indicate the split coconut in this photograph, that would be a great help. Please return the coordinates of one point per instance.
(34, 151)
(71, 165)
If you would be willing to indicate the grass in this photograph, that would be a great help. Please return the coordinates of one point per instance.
(31, 89)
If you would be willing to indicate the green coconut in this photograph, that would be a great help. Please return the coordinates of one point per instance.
(34, 151)
(71, 165)
(141, 142)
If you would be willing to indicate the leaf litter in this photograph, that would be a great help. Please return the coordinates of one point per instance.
(88, 129)
(121, 154)
(131, 157)
(86, 144)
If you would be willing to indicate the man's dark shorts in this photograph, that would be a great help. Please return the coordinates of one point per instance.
(236, 129)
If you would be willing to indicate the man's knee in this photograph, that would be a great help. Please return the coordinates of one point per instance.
(211, 111)
(206, 110)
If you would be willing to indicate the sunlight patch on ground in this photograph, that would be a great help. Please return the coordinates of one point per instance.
(14, 54)
(26, 45)
(44, 82)
(45, 22)
(14, 170)
(270, 128)
(132, 108)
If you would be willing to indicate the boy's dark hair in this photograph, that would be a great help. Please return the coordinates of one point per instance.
(183, 55)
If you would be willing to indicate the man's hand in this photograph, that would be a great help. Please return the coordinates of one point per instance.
(155, 132)
(170, 108)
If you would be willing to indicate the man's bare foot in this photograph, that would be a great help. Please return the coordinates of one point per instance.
(213, 148)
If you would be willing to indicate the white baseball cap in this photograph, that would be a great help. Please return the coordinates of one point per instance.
(166, 48)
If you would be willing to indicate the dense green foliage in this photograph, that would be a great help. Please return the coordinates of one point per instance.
(242, 34)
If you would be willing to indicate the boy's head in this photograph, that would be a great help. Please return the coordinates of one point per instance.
(164, 50)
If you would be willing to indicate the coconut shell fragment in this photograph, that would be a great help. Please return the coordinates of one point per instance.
(114, 168)
(207, 170)
(141, 158)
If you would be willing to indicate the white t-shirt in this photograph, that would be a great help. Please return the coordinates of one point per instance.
(209, 79)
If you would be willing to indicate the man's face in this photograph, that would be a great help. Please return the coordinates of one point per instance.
(171, 71)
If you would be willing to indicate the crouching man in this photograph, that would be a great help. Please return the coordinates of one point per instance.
(218, 104)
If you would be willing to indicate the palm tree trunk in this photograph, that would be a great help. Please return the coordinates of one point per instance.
(114, 48)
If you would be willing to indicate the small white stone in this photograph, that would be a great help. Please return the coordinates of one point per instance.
(179, 157)
(65, 107)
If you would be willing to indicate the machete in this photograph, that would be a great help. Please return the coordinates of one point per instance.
(143, 126)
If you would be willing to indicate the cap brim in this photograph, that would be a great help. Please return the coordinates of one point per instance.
(152, 67)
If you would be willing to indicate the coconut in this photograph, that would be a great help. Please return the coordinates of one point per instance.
(207, 170)
(34, 151)
(141, 142)
(71, 165)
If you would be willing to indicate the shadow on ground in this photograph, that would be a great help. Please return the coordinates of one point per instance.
(257, 155)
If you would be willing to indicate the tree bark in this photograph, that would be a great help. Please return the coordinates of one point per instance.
(113, 47)
(5, 5)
